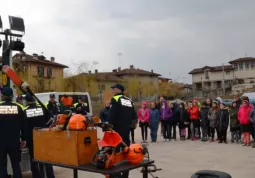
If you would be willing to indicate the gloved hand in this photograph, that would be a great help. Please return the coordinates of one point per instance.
(24, 86)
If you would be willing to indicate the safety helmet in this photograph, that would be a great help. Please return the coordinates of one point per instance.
(77, 122)
(135, 153)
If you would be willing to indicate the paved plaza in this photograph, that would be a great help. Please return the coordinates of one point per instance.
(180, 159)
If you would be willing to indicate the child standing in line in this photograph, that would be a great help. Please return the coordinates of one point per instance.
(153, 121)
(183, 121)
(212, 119)
(222, 121)
(165, 115)
(204, 121)
(234, 123)
(143, 117)
(244, 119)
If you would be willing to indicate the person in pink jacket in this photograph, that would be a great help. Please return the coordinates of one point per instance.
(143, 117)
(244, 120)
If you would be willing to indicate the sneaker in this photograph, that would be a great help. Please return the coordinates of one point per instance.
(232, 141)
(220, 142)
(244, 144)
(225, 142)
(248, 144)
(253, 145)
(133, 142)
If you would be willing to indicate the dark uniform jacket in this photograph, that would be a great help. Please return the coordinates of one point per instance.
(81, 109)
(35, 117)
(54, 107)
(121, 114)
(12, 124)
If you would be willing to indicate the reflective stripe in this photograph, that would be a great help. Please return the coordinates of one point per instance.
(117, 97)
(75, 104)
(22, 107)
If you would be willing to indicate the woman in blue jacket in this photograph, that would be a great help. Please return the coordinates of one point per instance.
(153, 121)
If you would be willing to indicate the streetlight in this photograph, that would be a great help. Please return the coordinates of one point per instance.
(9, 45)
(120, 54)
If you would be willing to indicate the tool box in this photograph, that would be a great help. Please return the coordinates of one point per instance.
(65, 147)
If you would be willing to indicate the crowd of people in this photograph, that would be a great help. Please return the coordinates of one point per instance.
(206, 121)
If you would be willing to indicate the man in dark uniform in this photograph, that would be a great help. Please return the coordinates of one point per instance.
(35, 117)
(82, 106)
(52, 105)
(12, 129)
(121, 115)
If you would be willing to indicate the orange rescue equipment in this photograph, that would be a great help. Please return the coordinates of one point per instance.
(77, 122)
(135, 153)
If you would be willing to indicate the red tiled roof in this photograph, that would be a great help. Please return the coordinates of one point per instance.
(103, 76)
(163, 78)
(29, 58)
(212, 69)
(243, 59)
(134, 71)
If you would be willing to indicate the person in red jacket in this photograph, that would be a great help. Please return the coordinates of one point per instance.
(243, 117)
(143, 117)
(194, 120)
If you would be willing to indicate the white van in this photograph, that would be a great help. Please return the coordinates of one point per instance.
(44, 97)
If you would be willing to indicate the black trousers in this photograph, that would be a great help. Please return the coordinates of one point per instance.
(166, 132)
(132, 133)
(212, 129)
(222, 135)
(172, 127)
(38, 169)
(144, 131)
(14, 154)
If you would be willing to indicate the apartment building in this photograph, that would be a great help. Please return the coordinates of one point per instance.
(218, 80)
(138, 83)
(42, 74)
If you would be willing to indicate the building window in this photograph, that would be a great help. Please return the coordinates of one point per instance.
(247, 65)
(252, 64)
(236, 66)
(40, 71)
(206, 74)
(227, 73)
(241, 66)
(49, 72)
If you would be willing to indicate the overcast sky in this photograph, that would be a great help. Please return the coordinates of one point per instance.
(172, 37)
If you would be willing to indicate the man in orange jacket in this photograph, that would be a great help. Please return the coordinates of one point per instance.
(194, 120)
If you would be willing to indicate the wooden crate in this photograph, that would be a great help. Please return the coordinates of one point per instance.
(65, 147)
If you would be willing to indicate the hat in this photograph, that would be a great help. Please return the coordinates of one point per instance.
(52, 95)
(29, 98)
(7, 91)
(82, 98)
(119, 86)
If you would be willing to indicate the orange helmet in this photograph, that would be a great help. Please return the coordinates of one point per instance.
(61, 119)
(77, 122)
(135, 153)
